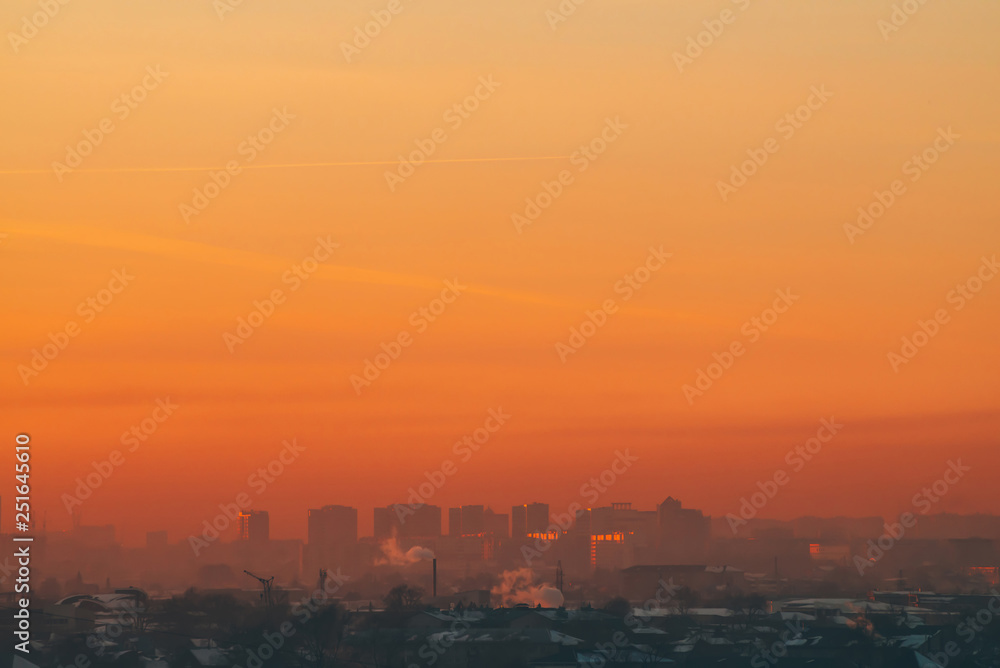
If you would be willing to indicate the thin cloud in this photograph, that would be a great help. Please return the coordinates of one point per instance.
(209, 254)
(294, 165)
(200, 252)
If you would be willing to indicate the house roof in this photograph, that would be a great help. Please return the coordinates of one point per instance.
(538, 636)
(210, 657)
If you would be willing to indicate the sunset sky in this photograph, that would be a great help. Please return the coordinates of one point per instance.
(555, 87)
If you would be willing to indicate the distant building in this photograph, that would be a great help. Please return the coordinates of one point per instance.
(473, 520)
(682, 527)
(255, 526)
(331, 525)
(496, 524)
(332, 535)
(519, 521)
(538, 517)
(529, 518)
(406, 521)
(454, 521)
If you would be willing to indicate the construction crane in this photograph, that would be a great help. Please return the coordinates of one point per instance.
(266, 584)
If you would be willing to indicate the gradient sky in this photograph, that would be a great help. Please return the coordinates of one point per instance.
(495, 346)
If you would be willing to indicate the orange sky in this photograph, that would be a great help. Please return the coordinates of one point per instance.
(495, 346)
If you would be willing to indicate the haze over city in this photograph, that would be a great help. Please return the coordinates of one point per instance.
(265, 259)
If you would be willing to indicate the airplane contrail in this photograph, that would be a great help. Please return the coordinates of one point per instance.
(287, 165)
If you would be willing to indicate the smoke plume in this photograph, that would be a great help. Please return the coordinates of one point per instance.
(394, 556)
(518, 587)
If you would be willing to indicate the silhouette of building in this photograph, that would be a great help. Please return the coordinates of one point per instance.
(529, 518)
(455, 522)
(406, 521)
(496, 524)
(538, 517)
(332, 538)
(519, 521)
(473, 520)
(331, 525)
(255, 526)
(575, 545)
(684, 532)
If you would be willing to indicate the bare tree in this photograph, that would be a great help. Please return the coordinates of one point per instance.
(403, 597)
(322, 635)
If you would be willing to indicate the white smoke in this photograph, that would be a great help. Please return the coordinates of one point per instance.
(518, 587)
(394, 555)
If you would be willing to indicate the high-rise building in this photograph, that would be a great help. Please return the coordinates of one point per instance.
(583, 522)
(473, 520)
(679, 524)
(255, 526)
(519, 521)
(529, 519)
(575, 545)
(386, 522)
(537, 517)
(406, 521)
(496, 524)
(454, 521)
(331, 525)
(332, 538)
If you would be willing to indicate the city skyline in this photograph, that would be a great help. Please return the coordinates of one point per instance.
(216, 245)
(525, 334)
(334, 524)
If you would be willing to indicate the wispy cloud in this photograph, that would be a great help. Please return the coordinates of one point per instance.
(294, 165)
